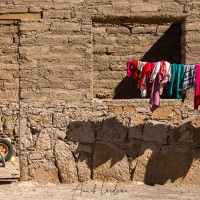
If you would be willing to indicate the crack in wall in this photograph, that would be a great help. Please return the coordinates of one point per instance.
(56, 165)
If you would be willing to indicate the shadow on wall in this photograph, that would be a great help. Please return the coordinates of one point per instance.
(152, 153)
(168, 48)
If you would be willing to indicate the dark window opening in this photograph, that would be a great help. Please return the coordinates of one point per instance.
(113, 44)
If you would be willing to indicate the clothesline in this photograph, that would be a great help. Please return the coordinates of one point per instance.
(153, 76)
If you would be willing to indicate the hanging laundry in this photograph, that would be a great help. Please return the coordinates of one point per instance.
(155, 71)
(144, 79)
(188, 79)
(155, 75)
(140, 65)
(155, 94)
(145, 72)
(162, 73)
(131, 68)
(166, 76)
(175, 83)
(197, 87)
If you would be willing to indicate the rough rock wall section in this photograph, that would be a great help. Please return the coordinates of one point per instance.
(9, 82)
(66, 135)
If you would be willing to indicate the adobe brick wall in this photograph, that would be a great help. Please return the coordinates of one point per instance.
(66, 58)
(9, 82)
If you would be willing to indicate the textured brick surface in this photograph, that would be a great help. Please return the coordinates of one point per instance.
(54, 65)
(9, 83)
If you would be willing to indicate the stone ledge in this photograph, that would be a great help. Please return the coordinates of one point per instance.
(136, 100)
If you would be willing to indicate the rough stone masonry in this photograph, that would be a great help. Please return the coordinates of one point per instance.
(65, 100)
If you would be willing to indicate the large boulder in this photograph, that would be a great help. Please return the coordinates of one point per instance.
(65, 163)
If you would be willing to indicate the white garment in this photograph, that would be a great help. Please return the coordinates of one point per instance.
(143, 88)
(155, 72)
(166, 77)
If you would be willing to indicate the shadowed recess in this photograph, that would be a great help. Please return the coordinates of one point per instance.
(143, 19)
(167, 47)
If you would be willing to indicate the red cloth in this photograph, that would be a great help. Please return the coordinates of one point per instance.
(197, 87)
(145, 72)
(131, 70)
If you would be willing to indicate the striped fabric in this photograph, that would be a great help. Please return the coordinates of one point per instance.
(189, 76)
(188, 79)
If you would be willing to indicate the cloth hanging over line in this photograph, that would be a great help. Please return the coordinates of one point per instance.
(197, 87)
(176, 81)
(153, 76)
(188, 80)
(155, 95)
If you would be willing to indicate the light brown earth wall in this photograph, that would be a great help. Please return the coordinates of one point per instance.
(65, 92)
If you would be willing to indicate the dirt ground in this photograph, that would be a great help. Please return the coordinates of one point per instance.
(97, 191)
(11, 170)
(12, 189)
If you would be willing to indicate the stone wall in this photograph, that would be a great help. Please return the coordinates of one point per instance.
(9, 82)
(76, 52)
(119, 140)
(162, 147)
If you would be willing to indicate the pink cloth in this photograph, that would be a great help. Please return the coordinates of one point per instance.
(128, 68)
(197, 87)
(155, 94)
(166, 77)
(162, 70)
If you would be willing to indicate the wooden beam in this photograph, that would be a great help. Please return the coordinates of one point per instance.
(140, 18)
(20, 16)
